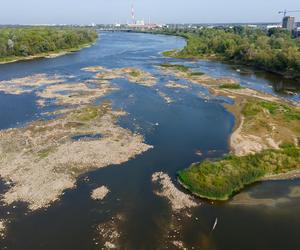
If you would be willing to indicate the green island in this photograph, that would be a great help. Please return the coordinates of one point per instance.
(266, 121)
(274, 50)
(34, 42)
(219, 180)
(265, 142)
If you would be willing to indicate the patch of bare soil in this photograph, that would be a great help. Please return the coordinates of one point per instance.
(179, 244)
(28, 84)
(109, 233)
(246, 199)
(177, 199)
(74, 93)
(249, 136)
(2, 229)
(175, 85)
(295, 174)
(131, 74)
(165, 97)
(243, 143)
(45, 158)
(294, 192)
(100, 193)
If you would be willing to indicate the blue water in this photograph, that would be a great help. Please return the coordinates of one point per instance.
(86, 137)
(176, 131)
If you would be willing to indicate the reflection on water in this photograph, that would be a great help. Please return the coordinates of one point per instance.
(193, 122)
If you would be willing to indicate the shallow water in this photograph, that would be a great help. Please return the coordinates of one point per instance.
(177, 131)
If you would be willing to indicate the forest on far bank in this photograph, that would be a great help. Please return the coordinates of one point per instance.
(274, 50)
(23, 42)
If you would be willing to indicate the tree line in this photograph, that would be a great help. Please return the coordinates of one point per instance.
(274, 50)
(22, 42)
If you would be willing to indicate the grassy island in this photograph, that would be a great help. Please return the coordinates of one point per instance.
(265, 141)
(33, 42)
(263, 122)
(219, 180)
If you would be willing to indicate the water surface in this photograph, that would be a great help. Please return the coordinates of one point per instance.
(177, 131)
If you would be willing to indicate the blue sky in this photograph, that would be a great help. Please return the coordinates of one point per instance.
(160, 11)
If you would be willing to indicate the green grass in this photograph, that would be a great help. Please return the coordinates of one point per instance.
(170, 53)
(197, 74)
(134, 73)
(279, 110)
(219, 180)
(231, 86)
(45, 153)
(178, 67)
(90, 113)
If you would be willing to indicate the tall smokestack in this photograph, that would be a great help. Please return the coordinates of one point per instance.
(132, 14)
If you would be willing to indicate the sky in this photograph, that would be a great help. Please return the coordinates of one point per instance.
(160, 11)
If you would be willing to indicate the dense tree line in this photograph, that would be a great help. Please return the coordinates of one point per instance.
(15, 42)
(274, 50)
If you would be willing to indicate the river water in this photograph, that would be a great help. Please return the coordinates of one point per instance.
(176, 130)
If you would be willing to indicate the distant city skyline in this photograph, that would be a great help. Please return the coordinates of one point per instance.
(166, 11)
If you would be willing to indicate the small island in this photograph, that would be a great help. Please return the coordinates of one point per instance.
(18, 44)
(264, 144)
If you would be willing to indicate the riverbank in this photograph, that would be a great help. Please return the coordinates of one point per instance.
(50, 54)
(265, 135)
(228, 46)
(217, 58)
(21, 44)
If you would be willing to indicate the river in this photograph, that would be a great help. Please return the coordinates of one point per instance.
(176, 130)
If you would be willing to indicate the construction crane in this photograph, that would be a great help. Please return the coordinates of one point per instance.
(284, 12)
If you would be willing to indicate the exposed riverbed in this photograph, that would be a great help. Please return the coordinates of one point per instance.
(183, 123)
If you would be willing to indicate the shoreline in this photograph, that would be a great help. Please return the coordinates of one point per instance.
(47, 55)
(248, 136)
(218, 58)
(214, 58)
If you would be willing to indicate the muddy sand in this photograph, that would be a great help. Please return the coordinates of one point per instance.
(165, 97)
(246, 199)
(176, 198)
(133, 75)
(109, 233)
(175, 85)
(74, 93)
(45, 158)
(2, 229)
(100, 193)
(29, 83)
(245, 139)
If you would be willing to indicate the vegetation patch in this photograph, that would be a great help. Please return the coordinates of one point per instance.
(178, 67)
(135, 73)
(279, 111)
(90, 113)
(22, 43)
(170, 53)
(219, 180)
(197, 74)
(231, 86)
(274, 50)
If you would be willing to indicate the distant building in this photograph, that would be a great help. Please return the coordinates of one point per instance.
(297, 25)
(140, 22)
(288, 23)
(274, 26)
(297, 32)
(252, 25)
